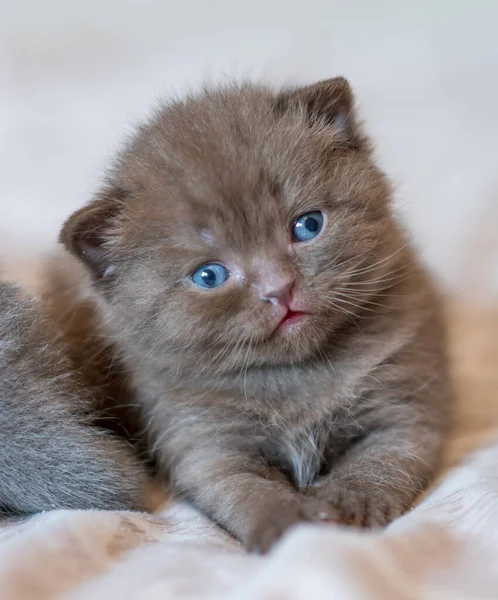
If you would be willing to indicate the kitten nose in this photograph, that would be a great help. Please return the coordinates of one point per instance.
(278, 291)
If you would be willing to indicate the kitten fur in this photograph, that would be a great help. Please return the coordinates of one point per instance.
(341, 417)
(54, 454)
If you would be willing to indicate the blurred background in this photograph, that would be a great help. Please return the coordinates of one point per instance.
(75, 77)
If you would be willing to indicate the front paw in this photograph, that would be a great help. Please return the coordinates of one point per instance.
(275, 521)
(367, 508)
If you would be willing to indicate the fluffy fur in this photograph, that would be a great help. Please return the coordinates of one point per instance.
(341, 417)
(53, 453)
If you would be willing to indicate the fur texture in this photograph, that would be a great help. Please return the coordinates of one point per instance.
(340, 417)
(53, 454)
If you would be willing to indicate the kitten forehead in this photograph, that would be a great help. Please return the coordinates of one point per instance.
(226, 170)
(220, 142)
(208, 238)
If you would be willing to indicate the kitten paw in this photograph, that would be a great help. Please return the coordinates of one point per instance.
(271, 525)
(361, 508)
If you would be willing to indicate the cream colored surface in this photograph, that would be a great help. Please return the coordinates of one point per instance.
(447, 547)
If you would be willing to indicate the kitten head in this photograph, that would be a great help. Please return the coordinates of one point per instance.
(232, 226)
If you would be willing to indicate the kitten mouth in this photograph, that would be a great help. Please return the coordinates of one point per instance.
(292, 317)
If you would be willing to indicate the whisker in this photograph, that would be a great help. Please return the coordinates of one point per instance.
(371, 267)
(340, 308)
(357, 306)
(364, 301)
(394, 277)
(370, 293)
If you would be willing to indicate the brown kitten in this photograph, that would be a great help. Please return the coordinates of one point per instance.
(285, 342)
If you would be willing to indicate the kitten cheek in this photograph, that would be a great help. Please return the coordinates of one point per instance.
(213, 309)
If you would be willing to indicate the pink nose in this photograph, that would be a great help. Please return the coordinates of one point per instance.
(278, 291)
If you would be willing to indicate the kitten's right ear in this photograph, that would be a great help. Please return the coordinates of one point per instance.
(89, 233)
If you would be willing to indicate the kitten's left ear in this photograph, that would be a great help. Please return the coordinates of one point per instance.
(330, 101)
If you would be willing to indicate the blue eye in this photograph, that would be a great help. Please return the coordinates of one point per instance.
(210, 276)
(307, 227)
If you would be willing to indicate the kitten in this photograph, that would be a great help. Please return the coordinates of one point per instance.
(53, 453)
(282, 337)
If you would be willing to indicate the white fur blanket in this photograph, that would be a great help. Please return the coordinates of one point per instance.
(447, 547)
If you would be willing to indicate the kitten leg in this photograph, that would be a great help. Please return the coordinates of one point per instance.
(380, 476)
(400, 422)
(245, 496)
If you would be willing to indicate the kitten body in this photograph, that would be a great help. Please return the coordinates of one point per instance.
(312, 384)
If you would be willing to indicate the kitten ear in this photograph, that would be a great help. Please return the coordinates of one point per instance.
(89, 232)
(330, 101)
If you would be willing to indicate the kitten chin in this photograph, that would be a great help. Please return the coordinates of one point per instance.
(282, 338)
